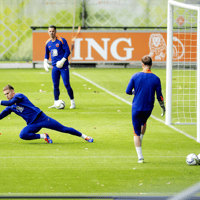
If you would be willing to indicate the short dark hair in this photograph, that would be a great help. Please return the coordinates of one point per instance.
(52, 26)
(147, 60)
(8, 87)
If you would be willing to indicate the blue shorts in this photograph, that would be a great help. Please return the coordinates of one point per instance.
(139, 119)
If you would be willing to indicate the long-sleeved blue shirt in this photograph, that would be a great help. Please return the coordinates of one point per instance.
(20, 105)
(145, 85)
(58, 50)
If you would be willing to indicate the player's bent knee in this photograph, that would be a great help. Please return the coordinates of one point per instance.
(23, 136)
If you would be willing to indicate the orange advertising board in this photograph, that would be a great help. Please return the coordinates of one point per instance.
(113, 47)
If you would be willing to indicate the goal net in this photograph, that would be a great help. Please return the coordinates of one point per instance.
(183, 57)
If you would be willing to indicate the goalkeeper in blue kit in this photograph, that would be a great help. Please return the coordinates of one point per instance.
(34, 117)
(59, 50)
(143, 85)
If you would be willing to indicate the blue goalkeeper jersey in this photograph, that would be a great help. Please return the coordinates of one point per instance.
(145, 85)
(20, 105)
(58, 50)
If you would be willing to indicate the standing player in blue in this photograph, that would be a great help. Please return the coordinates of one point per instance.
(34, 117)
(60, 52)
(143, 85)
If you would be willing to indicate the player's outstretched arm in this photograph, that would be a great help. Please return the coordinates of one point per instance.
(4, 113)
(10, 102)
(162, 105)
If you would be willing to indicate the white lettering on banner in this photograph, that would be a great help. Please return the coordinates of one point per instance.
(77, 48)
(97, 47)
(102, 51)
(113, 49)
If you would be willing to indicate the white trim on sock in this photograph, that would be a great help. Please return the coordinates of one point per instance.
(139, 152)
(42, 136)
(83, 136)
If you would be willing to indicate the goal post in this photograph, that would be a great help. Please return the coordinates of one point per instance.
(183, 65)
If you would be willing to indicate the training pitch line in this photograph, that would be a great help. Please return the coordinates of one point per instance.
(129, 103)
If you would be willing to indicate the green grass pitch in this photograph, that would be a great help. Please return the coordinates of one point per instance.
(71, 166)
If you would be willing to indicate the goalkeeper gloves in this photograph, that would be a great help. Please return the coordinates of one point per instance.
(46, 65)
(60, 63)
(162, 105)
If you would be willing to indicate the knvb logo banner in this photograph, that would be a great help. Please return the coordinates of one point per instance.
(94, 47)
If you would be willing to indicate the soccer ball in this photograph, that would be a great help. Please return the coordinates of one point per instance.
(198, 157)
(60, 104)
(192, 159)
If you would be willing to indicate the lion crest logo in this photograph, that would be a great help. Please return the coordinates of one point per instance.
(157, 47)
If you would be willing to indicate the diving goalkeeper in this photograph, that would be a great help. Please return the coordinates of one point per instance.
(34, 117)
(143, 85)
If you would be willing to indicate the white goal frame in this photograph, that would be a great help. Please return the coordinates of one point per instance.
(172, 3)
